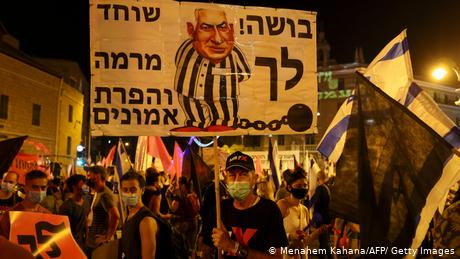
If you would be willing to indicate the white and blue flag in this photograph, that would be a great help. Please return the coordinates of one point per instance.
(391, 71)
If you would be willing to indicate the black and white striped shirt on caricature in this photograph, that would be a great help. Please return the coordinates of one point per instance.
(199, 78)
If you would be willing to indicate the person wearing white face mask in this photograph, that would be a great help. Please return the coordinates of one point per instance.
(8, 194)
(35, 188)
(140, 230)
(255, 223)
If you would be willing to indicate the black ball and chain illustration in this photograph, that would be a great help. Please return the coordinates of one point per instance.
(298, 118)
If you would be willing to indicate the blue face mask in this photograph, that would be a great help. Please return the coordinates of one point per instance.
(7, 187)
(130, 199)
(239, 190)
(36, 196)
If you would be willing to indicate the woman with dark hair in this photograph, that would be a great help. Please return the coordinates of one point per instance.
(296, 216)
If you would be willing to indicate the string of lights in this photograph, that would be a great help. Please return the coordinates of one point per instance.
(199, 143)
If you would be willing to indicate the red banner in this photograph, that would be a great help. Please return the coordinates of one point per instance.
(22, 164)
(44, 235)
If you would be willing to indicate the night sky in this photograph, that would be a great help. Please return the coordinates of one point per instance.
(60, 29)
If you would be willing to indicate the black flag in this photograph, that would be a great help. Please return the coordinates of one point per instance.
(8, 151)
(196, 170)
(389, 165)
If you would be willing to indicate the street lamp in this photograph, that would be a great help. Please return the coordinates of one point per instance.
(440, 72)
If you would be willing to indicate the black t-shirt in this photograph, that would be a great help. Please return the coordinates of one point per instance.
(77, 217)
(258, 227)
(164, 206)
(6, 204)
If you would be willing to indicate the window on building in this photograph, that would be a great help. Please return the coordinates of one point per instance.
(341, 83)
(281, 140)
(310, 139)
(36, 114)
(70, 113)
(252, 141)
(69, 145)
(4, 106)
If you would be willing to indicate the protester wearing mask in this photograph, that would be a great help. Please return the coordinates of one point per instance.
(8, 194)
(35, 189)
(296, 216)
(104, 214)
(255, 223)
(77, 207)
(140, 230)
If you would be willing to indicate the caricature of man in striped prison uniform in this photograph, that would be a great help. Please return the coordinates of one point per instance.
(209, 68)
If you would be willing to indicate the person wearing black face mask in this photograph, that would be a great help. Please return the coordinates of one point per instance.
(296, 217)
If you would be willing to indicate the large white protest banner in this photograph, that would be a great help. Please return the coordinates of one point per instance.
(171, 68)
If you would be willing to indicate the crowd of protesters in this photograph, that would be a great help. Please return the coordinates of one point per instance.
(254, 219)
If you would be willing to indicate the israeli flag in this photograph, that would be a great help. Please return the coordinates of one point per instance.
(391, 71)
(333, 141)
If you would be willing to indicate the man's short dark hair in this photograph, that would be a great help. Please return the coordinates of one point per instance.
(151, 170)
(35, 174)
(12, 172)
(97, 169)
(133, 175)
(74, 180)
(152, 178)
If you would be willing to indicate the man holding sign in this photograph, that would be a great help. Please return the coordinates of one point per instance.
(35, 188)
(209, 68)
(255, 224)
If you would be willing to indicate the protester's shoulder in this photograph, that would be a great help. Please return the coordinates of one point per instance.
(146, 212)
(107, 191)
(282, 203)
(268, 204)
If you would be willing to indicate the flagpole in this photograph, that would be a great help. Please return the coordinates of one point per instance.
(217, 189)
(124, 149)
(120, 200)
